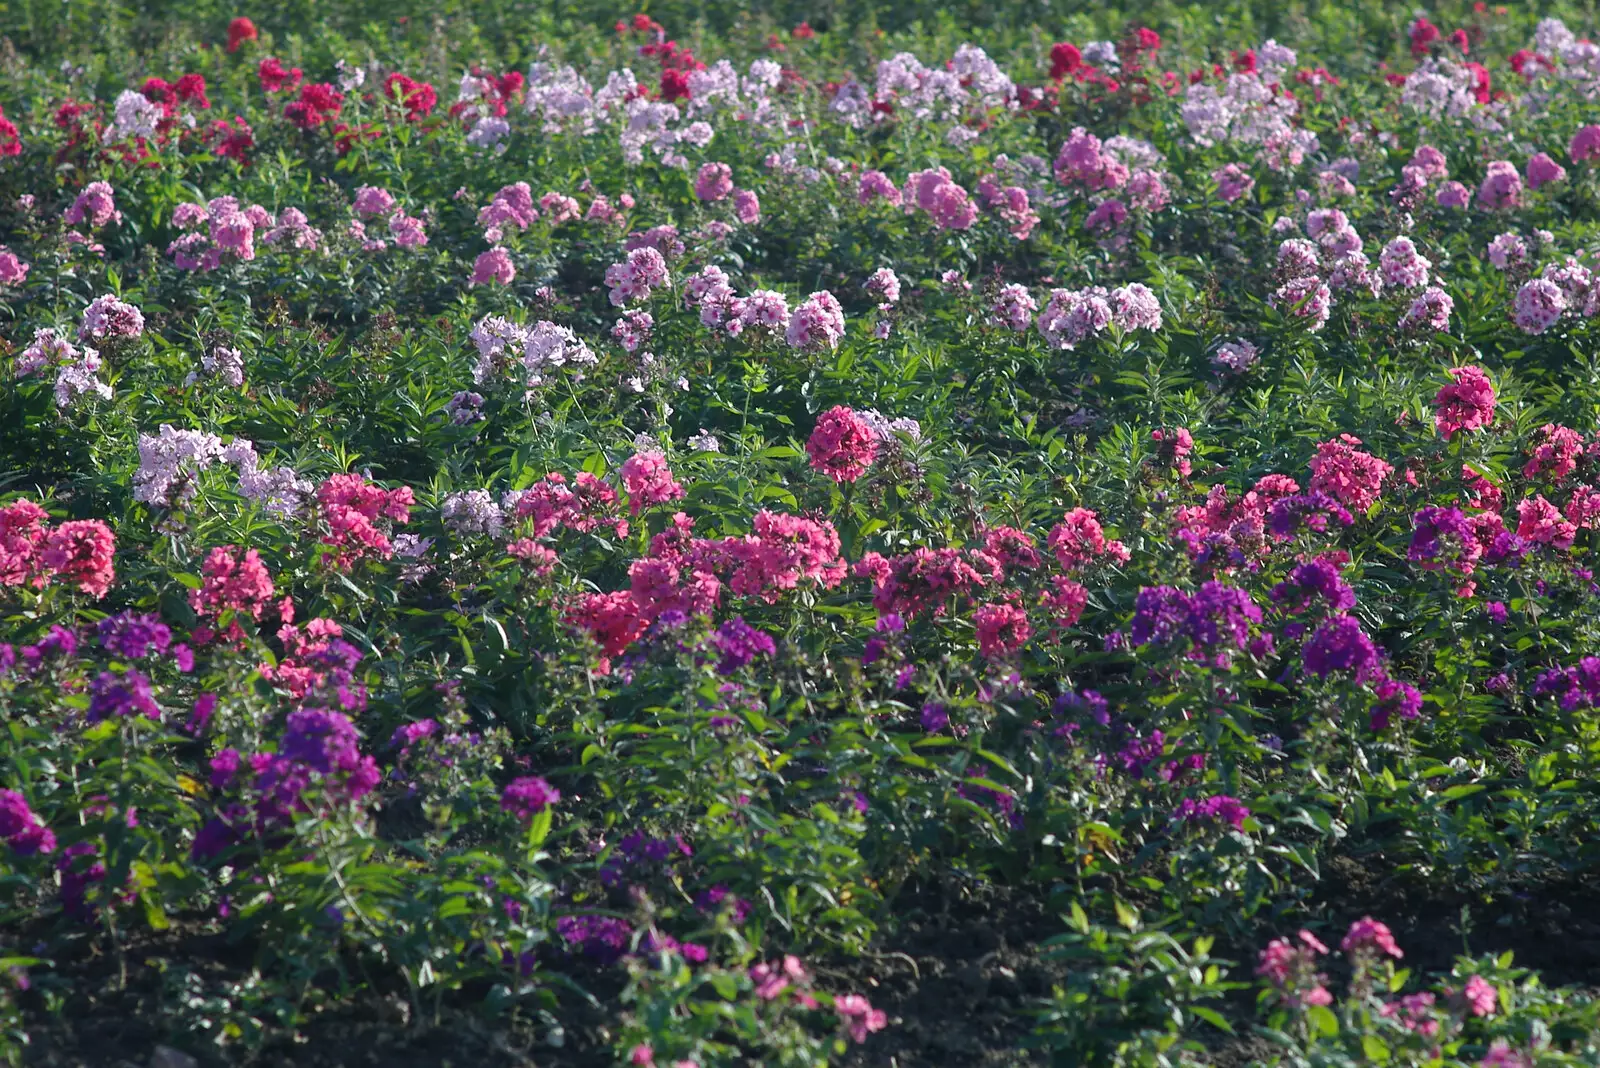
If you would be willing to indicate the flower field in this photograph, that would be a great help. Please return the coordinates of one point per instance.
(763, 535)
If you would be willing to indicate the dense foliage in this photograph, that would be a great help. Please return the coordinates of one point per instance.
(533, 539)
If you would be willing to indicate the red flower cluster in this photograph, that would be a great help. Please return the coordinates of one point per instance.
(676, 66)
(274, 78)
(317, 104)
(648, 481)
(1467, 403)
(240, 30)
(231, 139)
(189, 89)
(10, 137)
(1348, 475)
(418, 98)
(77, 552)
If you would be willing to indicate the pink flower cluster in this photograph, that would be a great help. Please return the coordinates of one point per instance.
(108, 319)
(95, 207)
(842, 445)
(236, 584)
(1348, 475)
(1467, 403)
(551, 503)
(1081, 162)
(78, 552)
(648, 481)
(818, 323)
(351, 507)
(511, 207)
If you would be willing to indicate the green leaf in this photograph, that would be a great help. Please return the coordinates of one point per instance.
(1322, 1021)
(539, 827)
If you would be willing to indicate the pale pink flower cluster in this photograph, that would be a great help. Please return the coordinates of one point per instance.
(48, 349)
(559, 208)
(96, 206)
(1233, 182)
(76, 369)
(223, 364)
(1072, 317)
(765, 311)
(230, 231)
(1538, 305)
(817, 323)
(1013, 308)
(1306, 297)
(884, 284)
(78, 378)
(472, 513)
(1561, 288)
(548, 346)
(1402, 265)
(1235, 357)
(170, 463)
(294, 230)
(1501, 188)
(107, 318)
(1430, 311)
(945, 202)
(632, 330)
(635, 277)
(511, 207)
(1507, 250)
(13, 271)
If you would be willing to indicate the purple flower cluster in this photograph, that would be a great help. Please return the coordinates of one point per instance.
(1218, 809)
(123, 696)
(1214, 619)
(719, 897)
(1443, 538)
(1574, 687)
(603, 939)
(132, 637)
(1312, 581)
(59, 644)
(637, 851)
(1311, 510)
(740, 643)
(23, 831)
(1395, 698)
(1340, 644)
(319, 756)
(528, 796)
